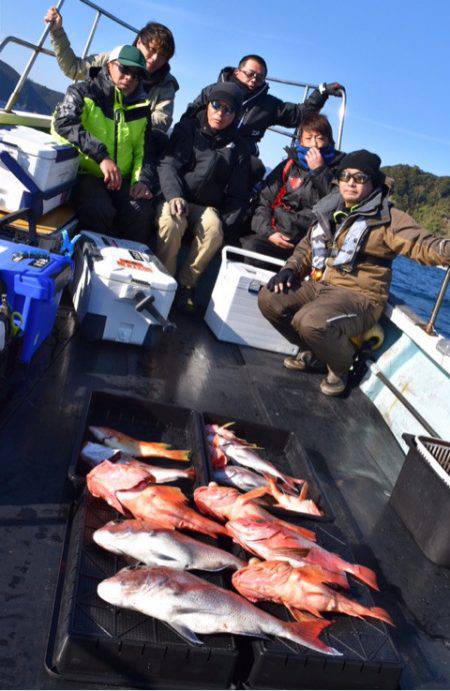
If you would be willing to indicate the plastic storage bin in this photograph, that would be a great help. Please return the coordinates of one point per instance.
(421, 496)
(233, 314)
(48, 164)
(121, 291)
(34, 280)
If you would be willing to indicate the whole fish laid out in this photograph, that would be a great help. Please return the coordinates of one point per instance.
(299, 589)
(166, 507)
(274, 542)
(226, 433)
(193, 606)
(295, 503)
(145, 449)
(93, 454)
(241, 478)
(242, 455)
(227, 503)
(105, 479)
(157, 547)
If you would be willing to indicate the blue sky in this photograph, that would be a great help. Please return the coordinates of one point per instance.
(393, 56)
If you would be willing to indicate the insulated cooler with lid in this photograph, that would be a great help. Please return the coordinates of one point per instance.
(121, 291)
(43, 164)
(34, 282)
(233, 314)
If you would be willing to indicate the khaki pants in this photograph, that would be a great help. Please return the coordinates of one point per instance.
(321, 318)
(206, 227)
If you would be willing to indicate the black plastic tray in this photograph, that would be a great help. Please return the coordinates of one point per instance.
(369, 659)
(92, 642)
(285, 451)
(143, 419)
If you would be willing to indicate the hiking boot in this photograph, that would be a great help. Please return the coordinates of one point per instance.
(304, 361)
(185, 299)
(334, 384)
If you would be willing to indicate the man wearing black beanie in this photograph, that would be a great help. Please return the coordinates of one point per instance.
(347, 255)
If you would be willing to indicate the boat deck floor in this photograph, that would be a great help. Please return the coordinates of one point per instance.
(347, 439)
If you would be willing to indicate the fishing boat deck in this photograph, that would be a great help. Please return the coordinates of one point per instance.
(347, 440)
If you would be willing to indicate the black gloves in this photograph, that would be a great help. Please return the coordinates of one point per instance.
(283, 277)
(331, 89)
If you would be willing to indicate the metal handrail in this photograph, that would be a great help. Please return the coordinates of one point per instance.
(429, 328)
(25, 44)
(100, 10)
(307, 87)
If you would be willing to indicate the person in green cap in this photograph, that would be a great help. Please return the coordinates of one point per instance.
(107, 119)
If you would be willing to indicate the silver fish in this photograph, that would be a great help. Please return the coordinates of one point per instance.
(235, 476)
(243, 455)
(191, 605)
(94, 454)
(157, 547)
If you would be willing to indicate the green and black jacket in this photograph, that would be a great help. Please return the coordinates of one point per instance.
(101, 123)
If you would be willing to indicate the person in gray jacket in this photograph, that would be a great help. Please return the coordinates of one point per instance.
(156, 43)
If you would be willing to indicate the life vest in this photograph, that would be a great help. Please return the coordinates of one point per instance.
(344, 258)
(278, 201)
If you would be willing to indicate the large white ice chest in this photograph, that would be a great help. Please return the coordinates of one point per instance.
(112, 277)
(46, 161)
(233, 314)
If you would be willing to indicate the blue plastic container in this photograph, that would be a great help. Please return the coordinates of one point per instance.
(34, 282)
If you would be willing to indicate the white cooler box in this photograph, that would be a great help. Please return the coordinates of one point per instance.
(121, 291)
(233, 314)
(45, 161)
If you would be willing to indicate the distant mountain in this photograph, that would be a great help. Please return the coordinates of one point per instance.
(426, 197)
(35, 98)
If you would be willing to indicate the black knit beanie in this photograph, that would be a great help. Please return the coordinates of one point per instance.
(228, 92)
(366, 162)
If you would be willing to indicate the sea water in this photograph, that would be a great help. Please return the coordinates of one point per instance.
(418, 286)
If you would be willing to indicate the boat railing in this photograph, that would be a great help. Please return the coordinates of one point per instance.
(306, 90)
(429, 327)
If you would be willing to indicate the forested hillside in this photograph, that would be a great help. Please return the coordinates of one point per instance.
(423, 195)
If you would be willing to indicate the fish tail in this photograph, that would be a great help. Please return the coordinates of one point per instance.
(153, 445)
(364, 574)
(177, 455)
(190, 473)
(307, 633)
(380, 613)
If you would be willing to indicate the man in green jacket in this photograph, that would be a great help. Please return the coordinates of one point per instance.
(156, 43)
(107, 119)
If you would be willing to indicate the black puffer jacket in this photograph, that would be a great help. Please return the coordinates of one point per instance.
(206, 168)
(260, 110)
(293, 215)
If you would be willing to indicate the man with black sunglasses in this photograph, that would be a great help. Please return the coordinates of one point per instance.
(347, 255)
(107, 119)
(260, 110)
(203, 182)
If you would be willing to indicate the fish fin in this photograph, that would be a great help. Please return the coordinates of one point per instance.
(254, 494)
(228, 424)
(293, 552)
(313, 574)
(310, 631)
(155, 444)
(364, 574)
(190, 473)
(304, 491)
(299, 615)
(185, 632)
(380, 613)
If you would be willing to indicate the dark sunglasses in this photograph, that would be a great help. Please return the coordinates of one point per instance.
(134, 72)
(226, 110)
(359, 178)
(250, 74)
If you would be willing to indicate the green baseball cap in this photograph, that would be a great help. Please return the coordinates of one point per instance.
(129, 56)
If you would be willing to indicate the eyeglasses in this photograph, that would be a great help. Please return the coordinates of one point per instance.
(226, 110)
(359, 178)
(134, 72)
(250, 74)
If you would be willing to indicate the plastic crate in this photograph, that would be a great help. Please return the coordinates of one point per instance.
(283, 449)
(421, 496)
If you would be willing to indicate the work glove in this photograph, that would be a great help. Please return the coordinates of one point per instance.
(281, 282)
(177, 206)
(331, 89)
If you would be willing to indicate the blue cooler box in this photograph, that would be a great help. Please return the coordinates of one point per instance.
(34, 282)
